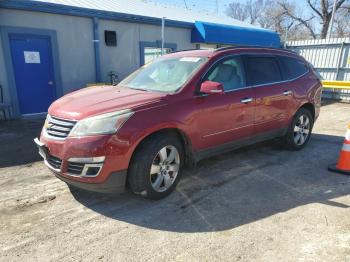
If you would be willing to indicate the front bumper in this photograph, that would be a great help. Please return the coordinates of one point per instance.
(115, 183)
(107, 158)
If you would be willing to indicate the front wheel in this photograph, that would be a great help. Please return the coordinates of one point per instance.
(156, 166)
(299, 132)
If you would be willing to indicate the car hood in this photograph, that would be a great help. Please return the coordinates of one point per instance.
(102, 99)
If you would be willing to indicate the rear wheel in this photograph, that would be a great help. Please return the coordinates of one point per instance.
(299, 131)
(156, 166)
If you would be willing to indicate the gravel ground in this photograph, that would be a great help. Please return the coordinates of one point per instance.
(260, 203)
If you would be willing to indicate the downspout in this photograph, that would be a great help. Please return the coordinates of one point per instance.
(96, 41)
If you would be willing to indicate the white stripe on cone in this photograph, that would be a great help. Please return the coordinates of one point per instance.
(347, 135)
(346, 147)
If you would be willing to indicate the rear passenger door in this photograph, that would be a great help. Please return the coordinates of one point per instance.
(273, 97)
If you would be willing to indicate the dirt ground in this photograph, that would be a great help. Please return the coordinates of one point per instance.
(260, 203)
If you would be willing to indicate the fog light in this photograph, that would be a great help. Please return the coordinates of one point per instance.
(85, 167)
(92, 171)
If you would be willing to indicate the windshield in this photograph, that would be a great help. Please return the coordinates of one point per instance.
(164, 74)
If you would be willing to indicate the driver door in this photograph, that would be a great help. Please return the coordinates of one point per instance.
(228, 117)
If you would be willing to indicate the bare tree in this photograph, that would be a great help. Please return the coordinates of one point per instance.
(267, 14)
(342, 23)
(250, 11)
(238, 11)
(279, 15)
(297, 15)
(272, 17)
(324, 9)
(255, 9)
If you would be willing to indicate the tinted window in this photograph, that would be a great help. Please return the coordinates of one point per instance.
(292, 67)
(229, 73)
(262, 70)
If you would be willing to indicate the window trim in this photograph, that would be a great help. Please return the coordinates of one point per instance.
(224, 60)
(213, 65)
(280, 57)
(198, 94)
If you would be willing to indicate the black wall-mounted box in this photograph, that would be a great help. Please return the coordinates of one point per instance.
(111, 38)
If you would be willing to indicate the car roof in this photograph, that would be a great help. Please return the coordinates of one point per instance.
(233, 49)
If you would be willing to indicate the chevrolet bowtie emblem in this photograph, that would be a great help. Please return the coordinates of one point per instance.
(48, 125)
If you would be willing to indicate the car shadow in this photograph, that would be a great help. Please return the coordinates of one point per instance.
(16, 141)
(235, 188)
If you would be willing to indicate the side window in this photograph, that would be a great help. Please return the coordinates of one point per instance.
(262, 70)
(229, 73)
(292, 67)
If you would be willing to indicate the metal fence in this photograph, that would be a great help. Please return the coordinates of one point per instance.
(331, 59)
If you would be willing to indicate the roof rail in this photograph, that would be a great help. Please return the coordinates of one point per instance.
(250, 46)
(225, 48)
(183, 50)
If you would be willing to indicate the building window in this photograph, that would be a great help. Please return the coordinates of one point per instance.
(151, 53)
(151, 50)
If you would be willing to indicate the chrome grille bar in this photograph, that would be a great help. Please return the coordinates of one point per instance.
(60, 121)
(58, 127)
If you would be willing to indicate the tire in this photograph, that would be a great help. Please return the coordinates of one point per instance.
(300, 129)
(150, 174)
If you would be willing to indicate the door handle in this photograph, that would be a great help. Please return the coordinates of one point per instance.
(287, 93)
(246, 100)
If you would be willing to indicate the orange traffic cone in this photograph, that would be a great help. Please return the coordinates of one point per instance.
(343, 165)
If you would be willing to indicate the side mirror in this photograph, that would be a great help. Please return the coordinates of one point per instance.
(210, 87)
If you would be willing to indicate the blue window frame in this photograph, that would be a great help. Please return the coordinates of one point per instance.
(156, 46)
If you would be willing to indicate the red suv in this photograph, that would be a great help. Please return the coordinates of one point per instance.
(175, 111)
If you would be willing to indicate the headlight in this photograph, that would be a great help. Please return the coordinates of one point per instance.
(101, 124)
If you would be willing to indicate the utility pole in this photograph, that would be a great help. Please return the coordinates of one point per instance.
(286, 35)
(332, 19)
(217, 7)
(163, 25)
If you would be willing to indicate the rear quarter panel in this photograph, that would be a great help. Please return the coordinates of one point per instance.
(308, 89)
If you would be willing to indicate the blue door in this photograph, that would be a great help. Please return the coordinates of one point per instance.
(34, 74)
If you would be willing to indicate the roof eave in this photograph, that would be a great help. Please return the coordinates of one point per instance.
(85, 12)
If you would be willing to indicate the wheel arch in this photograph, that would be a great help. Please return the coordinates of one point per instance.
(309, 106)
(171, 131)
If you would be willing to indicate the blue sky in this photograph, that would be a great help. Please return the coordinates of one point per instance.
(208, 5)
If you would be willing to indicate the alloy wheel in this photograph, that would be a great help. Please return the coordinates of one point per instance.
(165, 168)
(302, 130)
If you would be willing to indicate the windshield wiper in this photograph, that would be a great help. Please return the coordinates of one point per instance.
(141, 89)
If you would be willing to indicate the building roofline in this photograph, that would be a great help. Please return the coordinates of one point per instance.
(85, 12)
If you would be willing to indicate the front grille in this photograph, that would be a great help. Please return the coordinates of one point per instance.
(75, 168)
(58, 127)
(54, 162)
